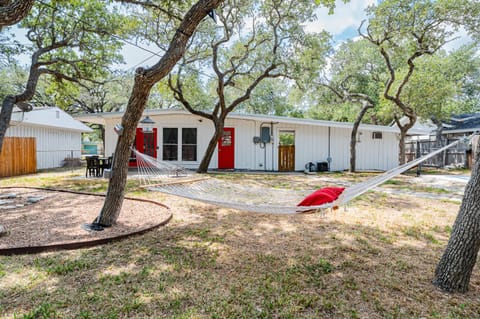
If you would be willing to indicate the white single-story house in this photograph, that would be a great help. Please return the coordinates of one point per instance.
(57, 134)
(253, 142)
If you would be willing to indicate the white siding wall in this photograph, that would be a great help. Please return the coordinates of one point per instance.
(311, 144)
(340, 148)
(244, 146)
(204, 133)
(377, 154)
(53, 145)
(110, 136)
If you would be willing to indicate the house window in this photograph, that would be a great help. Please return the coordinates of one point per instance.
(170, 144)
(189, 144)
(377, 135)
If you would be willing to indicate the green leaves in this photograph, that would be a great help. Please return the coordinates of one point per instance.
(74, 39)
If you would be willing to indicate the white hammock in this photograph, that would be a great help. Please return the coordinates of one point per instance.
(174, 180)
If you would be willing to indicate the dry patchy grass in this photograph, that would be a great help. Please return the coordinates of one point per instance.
(373, 260)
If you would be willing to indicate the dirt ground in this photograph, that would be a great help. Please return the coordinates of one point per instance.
(34, 217)
(374, 258)
(42, 217)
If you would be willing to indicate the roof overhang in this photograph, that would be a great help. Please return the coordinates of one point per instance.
(49, 117)
(469, 131)
(94, 118)
(102, 118)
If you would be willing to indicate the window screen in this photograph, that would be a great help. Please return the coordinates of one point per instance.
(170, 144)
(189, 144)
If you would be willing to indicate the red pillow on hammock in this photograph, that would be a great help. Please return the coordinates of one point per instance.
(322, 196)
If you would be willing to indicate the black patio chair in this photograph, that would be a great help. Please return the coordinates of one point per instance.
(93, 166)
(105, 164)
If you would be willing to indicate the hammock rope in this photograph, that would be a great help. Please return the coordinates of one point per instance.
(360, 188)
(171, 179)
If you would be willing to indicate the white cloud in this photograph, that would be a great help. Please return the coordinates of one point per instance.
(346, 15)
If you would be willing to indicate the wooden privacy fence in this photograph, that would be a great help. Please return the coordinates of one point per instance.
(18, 156)
(456, 156)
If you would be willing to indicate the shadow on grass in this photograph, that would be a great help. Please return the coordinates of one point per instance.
(229, 264)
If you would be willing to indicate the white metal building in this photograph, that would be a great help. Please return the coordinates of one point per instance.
(58, 135)
(182, 138)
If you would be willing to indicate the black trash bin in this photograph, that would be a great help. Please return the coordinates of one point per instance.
(322, 166)
(310, 167)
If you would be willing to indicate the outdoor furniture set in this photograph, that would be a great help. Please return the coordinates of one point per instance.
(96, 165)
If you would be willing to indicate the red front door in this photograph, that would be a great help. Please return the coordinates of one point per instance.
(146, 143)
(226, 149)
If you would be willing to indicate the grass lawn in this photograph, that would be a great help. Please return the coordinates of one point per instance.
(373, 260)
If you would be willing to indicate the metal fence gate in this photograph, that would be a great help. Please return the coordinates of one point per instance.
(455, 156)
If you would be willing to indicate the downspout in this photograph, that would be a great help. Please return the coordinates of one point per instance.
(265, 145)
(329, 158)
(273, 144)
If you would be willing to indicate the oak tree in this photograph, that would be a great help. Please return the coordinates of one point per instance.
(70, 41)
(405, 31)
(356, 78)
(252, 43)
(145, 79)
(13, 11)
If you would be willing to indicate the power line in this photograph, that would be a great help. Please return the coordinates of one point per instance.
(144, 60)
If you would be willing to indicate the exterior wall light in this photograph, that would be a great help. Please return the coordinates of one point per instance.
(147, 124)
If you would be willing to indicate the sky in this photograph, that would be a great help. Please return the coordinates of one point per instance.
(342, 25)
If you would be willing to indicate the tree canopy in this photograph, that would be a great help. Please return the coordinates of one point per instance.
(241, 51)
(70, 41)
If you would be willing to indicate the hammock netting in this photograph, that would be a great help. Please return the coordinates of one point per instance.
(171, 179)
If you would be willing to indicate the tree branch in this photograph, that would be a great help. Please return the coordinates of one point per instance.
(253, 85)
(178, 95)
(12, 12)
(149, 4)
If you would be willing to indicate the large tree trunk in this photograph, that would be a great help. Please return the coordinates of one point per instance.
(455, 267)
(401, 146)
(353, 138)
(116, 188)
(207, 157)
(144, 80)
(438, 133)
(353, 147)
(12, 12)
(11, 100)
(5, 116)
(403, 134)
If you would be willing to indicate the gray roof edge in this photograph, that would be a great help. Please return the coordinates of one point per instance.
(467, 130)
(369, 127)
(63, 128)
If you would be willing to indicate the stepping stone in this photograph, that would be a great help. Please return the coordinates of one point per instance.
(8, 207)
(3, 231)
(33, 200)
(8, 196)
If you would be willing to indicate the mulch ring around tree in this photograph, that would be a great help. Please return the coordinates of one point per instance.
(35, 219)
